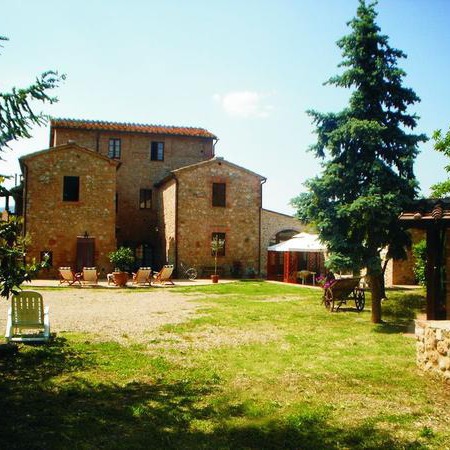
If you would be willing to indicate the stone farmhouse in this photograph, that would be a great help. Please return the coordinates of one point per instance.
(157, 189)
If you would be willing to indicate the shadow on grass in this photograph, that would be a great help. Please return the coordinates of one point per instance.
(393, 327)
(399, 313)
(40, 412)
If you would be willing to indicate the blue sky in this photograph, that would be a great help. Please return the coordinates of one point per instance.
(245, 70)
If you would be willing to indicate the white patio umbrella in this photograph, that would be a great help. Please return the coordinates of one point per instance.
(302, 242)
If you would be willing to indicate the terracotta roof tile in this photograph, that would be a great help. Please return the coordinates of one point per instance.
(427, 210)
(130, 127)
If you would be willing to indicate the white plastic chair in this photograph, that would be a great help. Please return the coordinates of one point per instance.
(28, 320)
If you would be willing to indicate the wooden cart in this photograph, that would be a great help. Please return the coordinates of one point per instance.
(343, 290)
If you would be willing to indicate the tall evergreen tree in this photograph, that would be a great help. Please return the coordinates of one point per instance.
(368, 155)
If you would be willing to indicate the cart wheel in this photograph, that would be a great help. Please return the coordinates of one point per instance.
(360, 299)
(191, 274)
(328, 299)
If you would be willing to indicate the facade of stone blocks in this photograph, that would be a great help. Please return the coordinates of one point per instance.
(57, 225)
(189, 228)
(149, 187)
(136, 198)
(433, 347)
(168, 220)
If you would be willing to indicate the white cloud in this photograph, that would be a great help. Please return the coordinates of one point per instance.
(245, 104)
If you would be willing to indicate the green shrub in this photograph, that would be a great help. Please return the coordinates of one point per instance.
(420, 255)
(122, 258)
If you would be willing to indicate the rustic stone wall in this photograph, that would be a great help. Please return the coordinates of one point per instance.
(53, 224)
(433, 347)
(167, 211)
(138, 172)
(271, 224)
(239, 220)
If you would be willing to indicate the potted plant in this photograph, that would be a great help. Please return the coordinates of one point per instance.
(122, 258)
(216, 246)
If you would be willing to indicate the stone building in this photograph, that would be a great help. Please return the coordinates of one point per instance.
(69, 205)
(146, 153)
(159, 190)
(213, 198)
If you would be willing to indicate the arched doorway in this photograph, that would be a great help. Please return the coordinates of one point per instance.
(281, 236)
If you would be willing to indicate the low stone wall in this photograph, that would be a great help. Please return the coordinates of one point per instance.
(433, 347)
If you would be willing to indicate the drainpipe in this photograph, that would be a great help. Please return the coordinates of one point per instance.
(176, 226)
(259, 230)
(24, 200)
(214, 147)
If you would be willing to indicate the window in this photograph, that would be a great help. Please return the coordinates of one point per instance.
(157, 151)
(71, 189)
(117, 202)
(145, 199)
(114, 148)
(221, 238)
(219, 194)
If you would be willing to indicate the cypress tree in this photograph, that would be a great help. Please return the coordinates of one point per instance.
(368, 151)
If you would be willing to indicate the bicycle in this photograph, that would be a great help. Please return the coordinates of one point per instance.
(189, 272)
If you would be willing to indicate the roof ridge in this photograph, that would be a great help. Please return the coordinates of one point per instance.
(55, 121)
(112, 122)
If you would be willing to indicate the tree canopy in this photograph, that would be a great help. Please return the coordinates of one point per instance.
(16, 114)
(17, 118)
(442, 145)
(368, 154)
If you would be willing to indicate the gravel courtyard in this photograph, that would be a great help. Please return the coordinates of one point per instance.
(112, 314)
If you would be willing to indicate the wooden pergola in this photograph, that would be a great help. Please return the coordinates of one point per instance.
(433, 215)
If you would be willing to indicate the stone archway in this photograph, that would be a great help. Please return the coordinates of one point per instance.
(282, 235)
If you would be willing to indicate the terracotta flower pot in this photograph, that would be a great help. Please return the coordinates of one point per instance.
(215, 278)
(120, 278)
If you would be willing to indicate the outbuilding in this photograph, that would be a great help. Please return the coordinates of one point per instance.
(300, 258)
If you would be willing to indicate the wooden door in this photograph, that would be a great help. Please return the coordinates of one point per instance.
(85, 252)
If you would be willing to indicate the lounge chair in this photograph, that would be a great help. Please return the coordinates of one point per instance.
(89, 275)
(164, 276)
(28, 320)
(67, 275)
(143, 276)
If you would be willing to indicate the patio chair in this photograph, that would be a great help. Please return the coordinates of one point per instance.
(67, 275)
(28, 320)
(164, 276)
(143, 276)
(89, 275)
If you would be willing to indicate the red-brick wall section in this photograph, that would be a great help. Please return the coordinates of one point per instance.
(197, 219)
(54, 224)
(137, 171)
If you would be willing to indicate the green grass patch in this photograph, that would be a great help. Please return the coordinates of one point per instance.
(260, 366)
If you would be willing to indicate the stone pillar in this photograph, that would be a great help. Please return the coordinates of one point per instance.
(433, 347)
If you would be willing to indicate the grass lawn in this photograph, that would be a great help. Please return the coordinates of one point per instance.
(261, 366)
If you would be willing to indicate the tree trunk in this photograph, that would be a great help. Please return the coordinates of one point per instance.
(376, 288)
